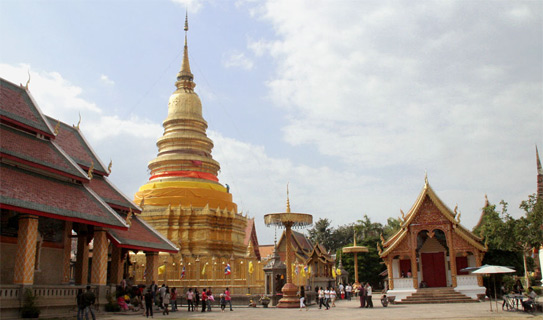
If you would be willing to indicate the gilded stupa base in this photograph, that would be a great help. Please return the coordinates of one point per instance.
(290, 298)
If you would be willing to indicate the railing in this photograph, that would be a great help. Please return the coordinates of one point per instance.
(403, 283)
(467, 281)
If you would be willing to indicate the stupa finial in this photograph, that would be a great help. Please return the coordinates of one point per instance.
(288, 201)
(185, 76)
(354, 238)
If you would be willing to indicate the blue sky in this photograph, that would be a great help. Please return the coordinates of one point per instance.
(351, 102)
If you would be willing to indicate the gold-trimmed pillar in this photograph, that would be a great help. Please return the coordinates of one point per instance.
(67, 251)
(25, 259)
(388, 262)
(414, 264)
(452, 258)
(99, 257)
(116, 265)
(82, 259)
(478, 263)
(151, 267)
(232, 273)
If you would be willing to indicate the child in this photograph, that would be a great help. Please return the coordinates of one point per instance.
(223, 302)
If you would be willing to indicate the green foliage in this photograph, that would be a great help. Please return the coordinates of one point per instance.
(111, 305)
(29, 309)
(505, 258)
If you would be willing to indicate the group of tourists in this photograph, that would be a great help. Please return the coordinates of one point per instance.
(326, 297)
(207, 299)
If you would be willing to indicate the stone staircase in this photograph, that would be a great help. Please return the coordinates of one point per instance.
(436, 295)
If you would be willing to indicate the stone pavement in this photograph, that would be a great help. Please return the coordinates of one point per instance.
(344, 310)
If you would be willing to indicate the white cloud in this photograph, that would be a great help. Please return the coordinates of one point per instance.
(238, 59)
(192, 6)
(385, 88)
(106, 80)
(56, 95)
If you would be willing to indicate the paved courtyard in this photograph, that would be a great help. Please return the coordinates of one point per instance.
(346, 310)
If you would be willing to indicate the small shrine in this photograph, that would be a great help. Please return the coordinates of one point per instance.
(430, 250)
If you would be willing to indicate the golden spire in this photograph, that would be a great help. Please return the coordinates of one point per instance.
(288, 201)
(185, 76)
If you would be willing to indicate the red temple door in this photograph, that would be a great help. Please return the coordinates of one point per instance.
(461, 263)
(433, 269)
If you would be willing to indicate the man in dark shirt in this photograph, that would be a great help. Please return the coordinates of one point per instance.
(88, 300)
(149, 303)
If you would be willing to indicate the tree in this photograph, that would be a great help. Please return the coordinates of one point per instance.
(528, 230)
(322, 233)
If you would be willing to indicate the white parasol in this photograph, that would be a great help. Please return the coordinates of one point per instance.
(490, 269)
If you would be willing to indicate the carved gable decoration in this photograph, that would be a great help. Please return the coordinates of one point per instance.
(429, 213)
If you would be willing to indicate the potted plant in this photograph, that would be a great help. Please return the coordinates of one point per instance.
(265, 301)
(29, 309)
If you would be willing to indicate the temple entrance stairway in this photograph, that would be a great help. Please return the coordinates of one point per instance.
(435, 295)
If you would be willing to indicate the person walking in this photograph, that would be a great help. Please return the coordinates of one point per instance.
(321, 298)
(204, 300)
(88, 300)
(166, 301)
(161, 293)
(362, 295)
(369, 302)
(222, 300)
(327, 298)
(348, 291)
(228, 298)
(149, 303)
(210, 299)
(190, 298)
(80, 304)
(301, 293)
(333, 296)
(174, 299)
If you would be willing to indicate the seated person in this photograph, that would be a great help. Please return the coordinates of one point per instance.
(529, 303)
(252, 304)
(122, 303)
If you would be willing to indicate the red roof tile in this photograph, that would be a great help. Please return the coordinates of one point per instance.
(141, 236)
(17, 106)
(107, 191)
(29, 192)
(72, 142)
(27, 147)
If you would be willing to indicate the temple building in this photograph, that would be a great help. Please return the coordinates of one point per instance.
(312, 266)
(55, 189)
(184, 200)
(431, 249)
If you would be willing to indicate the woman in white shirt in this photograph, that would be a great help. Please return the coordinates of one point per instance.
(166, 301)
(333, 296)
(327, 298)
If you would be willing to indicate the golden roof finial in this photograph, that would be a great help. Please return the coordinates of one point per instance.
(425, 178)
(129, 218)
(186, 21)
(403, 215)
(288, 201)
(77, 125)
(486, 201)
(57, 128)
(89, 173)
(109, 166)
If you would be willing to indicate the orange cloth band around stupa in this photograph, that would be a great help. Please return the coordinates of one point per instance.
(185, 174)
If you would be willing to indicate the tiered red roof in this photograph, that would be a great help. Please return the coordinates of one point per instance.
(250, 235)
(35, 164)
(19, 109)
(72, 141)
(29, 192)
(23, 147)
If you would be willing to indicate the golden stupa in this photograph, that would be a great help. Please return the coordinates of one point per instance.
(183, 198)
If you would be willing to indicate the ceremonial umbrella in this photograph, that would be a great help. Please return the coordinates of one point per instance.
(489, 269)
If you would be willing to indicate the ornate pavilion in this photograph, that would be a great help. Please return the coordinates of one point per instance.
(55, 190)
(184, 200)
(430, 249)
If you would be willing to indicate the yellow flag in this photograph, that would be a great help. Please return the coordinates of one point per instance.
(204, 270)
(333, 272)
(309, 270)
(161, 269)
(303, 272)
(338, 271)
(251, 267)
